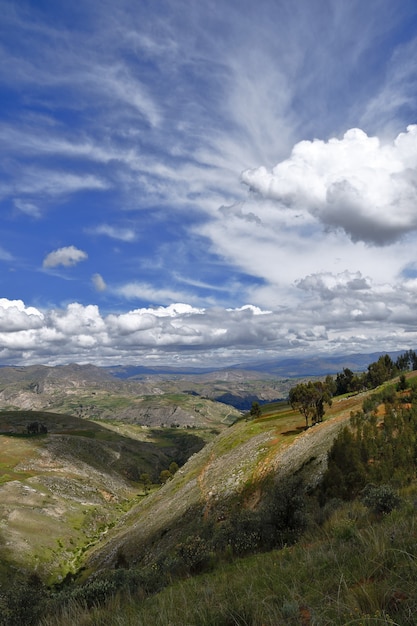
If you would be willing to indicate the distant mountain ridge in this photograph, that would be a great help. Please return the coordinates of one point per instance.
(288, 367)
(153, 395)
(292, 367)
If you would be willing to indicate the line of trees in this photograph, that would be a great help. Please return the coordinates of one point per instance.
(377, 373)
(310, 398)
(374, 450)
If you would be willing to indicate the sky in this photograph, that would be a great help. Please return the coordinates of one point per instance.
(206, 183)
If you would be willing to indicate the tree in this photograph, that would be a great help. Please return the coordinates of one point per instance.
(146, 480)
(382, 370)
(309, 399)
(402, 385)
(164, 476)
(345, 475)
(173, 468)
(407, 361)
(346, 381)
(255, 410)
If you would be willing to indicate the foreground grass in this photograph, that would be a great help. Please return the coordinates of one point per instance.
(355, 569)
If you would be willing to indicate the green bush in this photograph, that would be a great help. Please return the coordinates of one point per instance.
(380, 499)
(23, 603)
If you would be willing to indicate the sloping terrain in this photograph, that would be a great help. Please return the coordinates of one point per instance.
(235, 466)
(61, 490)
(76, 491)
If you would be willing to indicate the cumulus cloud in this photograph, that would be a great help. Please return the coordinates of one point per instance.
(67, 256)
(330, 286)
(334, 312)
(15, 316)
(357, 184)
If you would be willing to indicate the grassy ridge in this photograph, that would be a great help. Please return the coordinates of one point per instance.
(352, 566)
(236, 466)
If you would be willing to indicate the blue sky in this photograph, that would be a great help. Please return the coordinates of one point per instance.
(206, 183)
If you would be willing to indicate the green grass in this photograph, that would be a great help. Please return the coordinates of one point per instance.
(365, 577)
(350, 568)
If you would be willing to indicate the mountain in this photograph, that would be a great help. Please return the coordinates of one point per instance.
(163, 395)
(312, 365)
(72, 496)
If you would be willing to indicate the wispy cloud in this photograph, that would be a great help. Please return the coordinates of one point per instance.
(227, 147)
(114, 232)
(5, 255)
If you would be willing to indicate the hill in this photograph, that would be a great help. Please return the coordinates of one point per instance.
(91, 392)
(61, 490)
(79, 485)
(253, 487)
(235, 469)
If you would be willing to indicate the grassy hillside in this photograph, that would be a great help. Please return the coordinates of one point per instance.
(253, 488)
(60, 492)
(234, 469)
(78, 487)
(355, 569)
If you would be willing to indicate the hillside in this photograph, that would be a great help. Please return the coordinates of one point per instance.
(94, 392)
(74, 496)
(60, 491)
(77, 512)
(236, 466)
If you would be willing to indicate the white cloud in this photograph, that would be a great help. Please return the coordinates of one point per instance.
(357, 315)
(67, 256)
(114, 232)
(149, 293)
(356, 184)
(99, 282)
(27, 207)
(52, 183)
(15, 316)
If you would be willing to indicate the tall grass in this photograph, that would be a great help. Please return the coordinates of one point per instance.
(355, 570)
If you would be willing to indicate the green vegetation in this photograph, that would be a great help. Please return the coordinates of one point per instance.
(309, 398)
(352, 570)
(283, 525)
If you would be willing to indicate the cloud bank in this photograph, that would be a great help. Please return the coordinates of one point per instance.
(336, 311)
(125, 128)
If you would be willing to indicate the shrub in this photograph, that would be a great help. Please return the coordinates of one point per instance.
(380, 499)
(23, 603)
